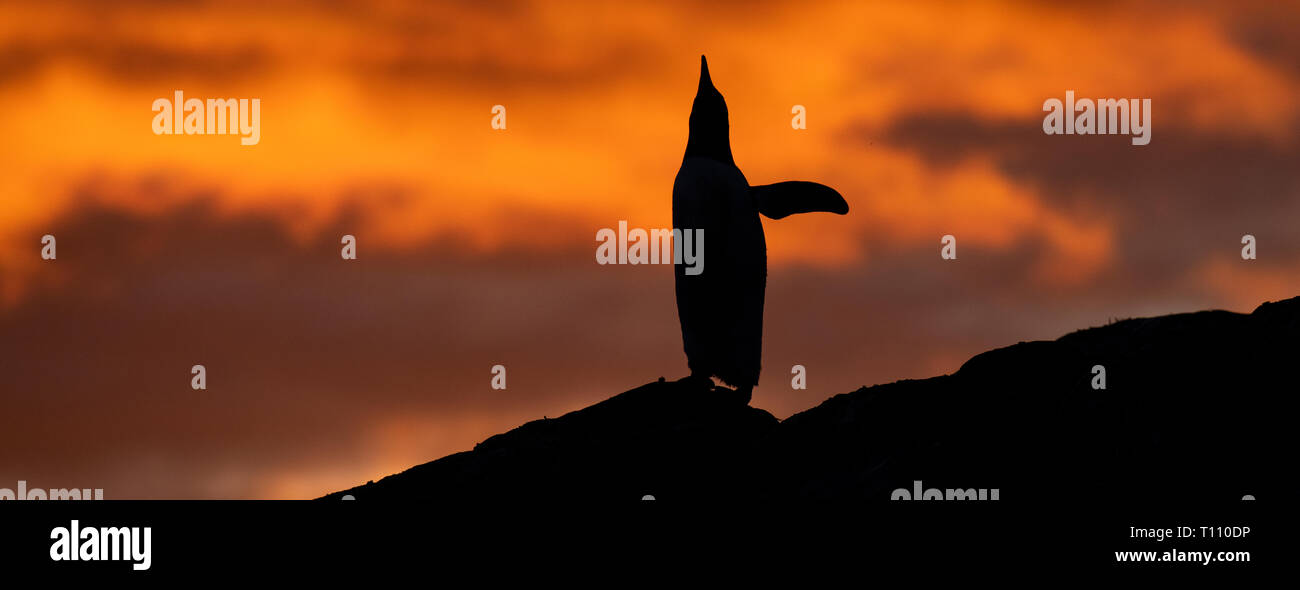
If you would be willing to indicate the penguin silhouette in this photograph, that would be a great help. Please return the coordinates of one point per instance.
(721, 308)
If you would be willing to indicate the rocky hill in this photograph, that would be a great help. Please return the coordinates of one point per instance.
(1191, 413)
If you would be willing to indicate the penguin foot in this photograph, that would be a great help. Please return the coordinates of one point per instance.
(744, 394)
(697, 381)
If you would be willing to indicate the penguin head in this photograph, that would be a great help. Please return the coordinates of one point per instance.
(709, 131)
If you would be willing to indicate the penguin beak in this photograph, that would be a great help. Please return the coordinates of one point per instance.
(705, 81)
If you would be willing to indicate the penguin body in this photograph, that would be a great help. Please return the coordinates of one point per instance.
(721, 309)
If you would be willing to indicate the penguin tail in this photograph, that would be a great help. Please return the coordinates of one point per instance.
(783, 199)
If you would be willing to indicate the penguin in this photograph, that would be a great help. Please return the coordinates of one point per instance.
(721, 309)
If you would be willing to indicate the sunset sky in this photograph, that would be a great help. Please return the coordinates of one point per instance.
(476, 246)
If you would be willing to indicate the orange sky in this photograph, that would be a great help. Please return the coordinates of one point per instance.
(375, 122)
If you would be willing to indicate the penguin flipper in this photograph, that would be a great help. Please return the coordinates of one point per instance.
(787, 198)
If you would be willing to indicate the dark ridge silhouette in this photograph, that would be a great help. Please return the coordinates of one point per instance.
(1189, 414)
